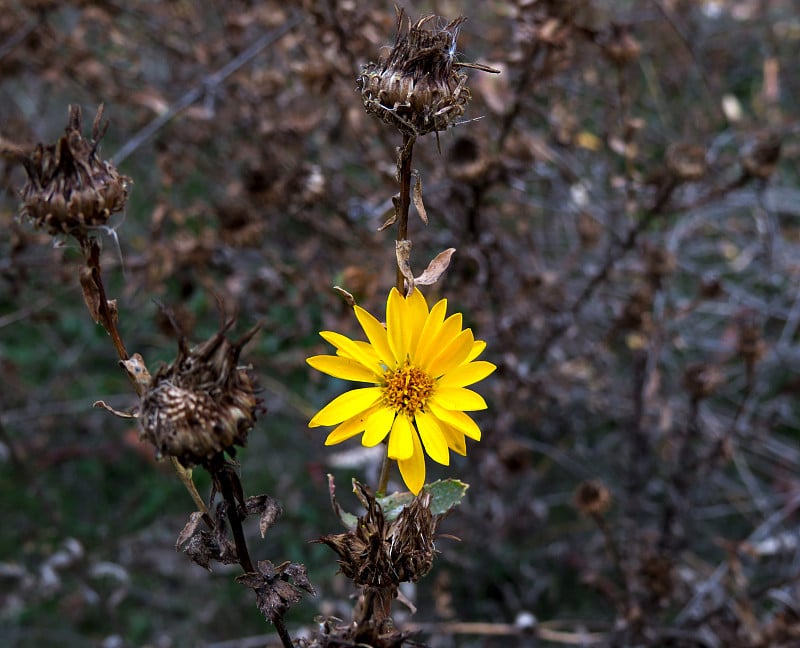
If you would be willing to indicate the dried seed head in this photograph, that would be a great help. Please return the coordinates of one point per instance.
(202, 403)
(417, 87)
(70, 189)
(380, 553)
(701, 380)
(592, 497)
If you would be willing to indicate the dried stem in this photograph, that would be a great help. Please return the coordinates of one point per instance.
(230, 487)
(404, 177)
(91, 249)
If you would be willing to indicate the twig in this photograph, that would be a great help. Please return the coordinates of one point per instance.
(209, 83)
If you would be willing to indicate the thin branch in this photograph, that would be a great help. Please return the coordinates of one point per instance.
(207, 85)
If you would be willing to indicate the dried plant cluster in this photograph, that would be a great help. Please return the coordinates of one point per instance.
(70, 189)
(625, 218)
(417, 87)
(201, 404)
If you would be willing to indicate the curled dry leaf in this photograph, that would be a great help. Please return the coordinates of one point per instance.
(392, 219)
(136, 369)
(267, 508)
(435, 268)
(348, 297)
(91, 293)
(417, 198)
(103, 405)
(403, 253)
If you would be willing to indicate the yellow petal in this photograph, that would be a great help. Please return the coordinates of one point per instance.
(432, 438)
(417, 315)
(343, 368)
(413, 468)
(466, 374)
(396, 330)
(455, 419)
(348, 348)
(350, 428)
(401, 440)
(458, 398)
(477, 348)
(455, 439)
(452, 354)
(430, 329)
(377, 337)
(378, 426)
(448, 331)
(351, 403)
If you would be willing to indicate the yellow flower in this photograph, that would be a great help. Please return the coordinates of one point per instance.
(419, 365)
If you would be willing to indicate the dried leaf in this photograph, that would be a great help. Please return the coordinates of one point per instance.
(267, 508)
(403, 254)
(136, 370)
(435, 268)
(391, 220)
(417, 198)
(276, 588)
(190, 528)
(91, 293)
(102, 405)
(348, 297)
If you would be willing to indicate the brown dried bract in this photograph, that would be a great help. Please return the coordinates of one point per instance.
(380, 553)
(70, 188)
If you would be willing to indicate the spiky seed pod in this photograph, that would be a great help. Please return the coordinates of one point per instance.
(70, 188)
(378, 553)
(202, 403)
(417, 87)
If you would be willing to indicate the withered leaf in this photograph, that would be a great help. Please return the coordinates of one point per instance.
(417, 198)
(392, 219)
(136, 370)
(403, 254)
(348, 297)
(276, 588)
(267, 508)
(103, 405)
(435, 268)
(190, 528)
(91, 293)
(202, 546)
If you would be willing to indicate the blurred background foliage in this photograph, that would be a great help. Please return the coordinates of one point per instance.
(624, 201)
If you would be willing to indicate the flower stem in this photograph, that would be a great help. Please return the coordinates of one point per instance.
(383, 478)
(91, 252)
(404, 177)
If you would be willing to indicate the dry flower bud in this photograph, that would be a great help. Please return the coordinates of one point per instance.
(687, 162)
(417, 87)
(70, 189)
(622, 48)
(201, 404)
(701, 380)
(592, 497)
(760, 157)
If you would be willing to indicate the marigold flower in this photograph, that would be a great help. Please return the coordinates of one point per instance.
(420, 364)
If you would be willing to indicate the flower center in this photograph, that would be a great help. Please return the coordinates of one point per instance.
(407, 389)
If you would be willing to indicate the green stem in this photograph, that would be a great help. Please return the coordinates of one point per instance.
(383, 479)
